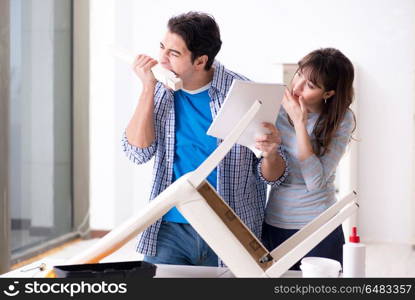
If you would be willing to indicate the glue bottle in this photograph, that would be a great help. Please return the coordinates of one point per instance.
(354, 256)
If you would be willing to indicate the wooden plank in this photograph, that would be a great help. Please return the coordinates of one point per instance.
(244, 235)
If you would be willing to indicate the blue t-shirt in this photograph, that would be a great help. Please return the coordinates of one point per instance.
(192, 145)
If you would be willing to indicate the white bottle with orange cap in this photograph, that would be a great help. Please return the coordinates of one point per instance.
(354, 256)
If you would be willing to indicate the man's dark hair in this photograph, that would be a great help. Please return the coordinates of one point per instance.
(200, 33)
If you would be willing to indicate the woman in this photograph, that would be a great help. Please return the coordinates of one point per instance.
(316, 124)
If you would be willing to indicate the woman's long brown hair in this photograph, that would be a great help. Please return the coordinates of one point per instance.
(330, 69)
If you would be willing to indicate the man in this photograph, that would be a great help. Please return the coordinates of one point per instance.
(172, 127)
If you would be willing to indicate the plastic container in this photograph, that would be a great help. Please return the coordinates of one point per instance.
(117, 270)
(320, 267)
(354, 257)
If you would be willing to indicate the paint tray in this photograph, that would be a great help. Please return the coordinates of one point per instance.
(115, 270)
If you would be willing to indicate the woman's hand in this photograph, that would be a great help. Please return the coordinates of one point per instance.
(295, 108)
(269, 142)
(298, 114)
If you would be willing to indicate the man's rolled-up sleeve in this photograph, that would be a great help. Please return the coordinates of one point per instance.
(136, 154)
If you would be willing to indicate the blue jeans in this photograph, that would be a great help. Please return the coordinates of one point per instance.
(180, 244)
(330, 247)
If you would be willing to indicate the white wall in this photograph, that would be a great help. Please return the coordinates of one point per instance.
(118, 188)
(378, 36)
(102, 118)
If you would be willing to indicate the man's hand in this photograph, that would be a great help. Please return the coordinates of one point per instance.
(268, 143)
(142, 67)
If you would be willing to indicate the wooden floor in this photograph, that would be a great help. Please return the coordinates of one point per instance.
(382, 260)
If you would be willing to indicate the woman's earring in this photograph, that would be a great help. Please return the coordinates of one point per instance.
(325, 100)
